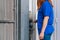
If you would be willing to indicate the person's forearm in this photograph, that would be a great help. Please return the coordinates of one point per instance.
(45, 22)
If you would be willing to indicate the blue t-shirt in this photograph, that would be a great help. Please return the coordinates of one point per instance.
(45, 10)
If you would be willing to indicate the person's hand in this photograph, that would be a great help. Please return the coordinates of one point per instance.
(41, 36)
(35, 21)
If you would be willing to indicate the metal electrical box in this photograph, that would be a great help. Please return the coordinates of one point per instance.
(7, 20)
(14, 19)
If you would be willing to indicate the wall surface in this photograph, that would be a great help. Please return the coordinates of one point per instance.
(24, 19)
(6, 15)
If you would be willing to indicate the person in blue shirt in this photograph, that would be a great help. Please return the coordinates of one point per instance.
(45, 19)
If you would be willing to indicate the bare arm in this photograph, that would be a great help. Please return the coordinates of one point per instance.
(45, 21)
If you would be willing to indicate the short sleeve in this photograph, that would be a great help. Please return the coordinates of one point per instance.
(46, 9)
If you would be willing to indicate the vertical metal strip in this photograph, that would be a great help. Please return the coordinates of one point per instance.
(15, 19)
(19, 19)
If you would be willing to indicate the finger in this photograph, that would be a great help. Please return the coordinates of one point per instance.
(41, 37)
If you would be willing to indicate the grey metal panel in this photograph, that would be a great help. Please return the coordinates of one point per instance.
(7, 21)
(9, 6)
(6, 10)
(58, 31)
(2, 9)
(6, 31)
(9, 31)
(24, 19)
(57, 20)
(1, 31)
(58, 8)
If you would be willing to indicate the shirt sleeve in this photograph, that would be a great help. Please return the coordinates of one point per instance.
(46, 9)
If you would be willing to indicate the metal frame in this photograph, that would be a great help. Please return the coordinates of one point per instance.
(18, 19)
(22, 19)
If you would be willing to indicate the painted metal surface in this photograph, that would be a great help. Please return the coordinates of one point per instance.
(24, 19)
(7, 20)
